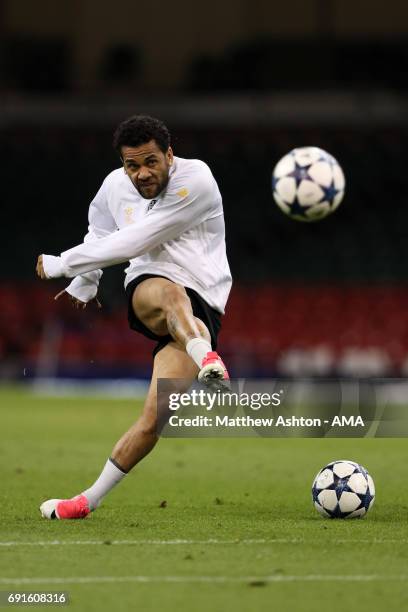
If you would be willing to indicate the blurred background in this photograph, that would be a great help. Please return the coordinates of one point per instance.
(239, 84)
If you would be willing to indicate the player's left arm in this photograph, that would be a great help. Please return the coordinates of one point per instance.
(188, 202)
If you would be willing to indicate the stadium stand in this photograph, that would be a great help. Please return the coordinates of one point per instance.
(322, 299)
(285, 330)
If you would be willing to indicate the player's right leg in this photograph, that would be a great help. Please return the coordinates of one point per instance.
(171, 362)
(164, 307)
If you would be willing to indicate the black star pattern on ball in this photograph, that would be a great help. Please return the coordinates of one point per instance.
(329, 193)
(300, 173)
(366, 499)
(315, 493)
(340, 485)
(275, 182)
(298, 209)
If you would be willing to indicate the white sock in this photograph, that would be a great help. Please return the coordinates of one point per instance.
(110, 476)
(198, 348)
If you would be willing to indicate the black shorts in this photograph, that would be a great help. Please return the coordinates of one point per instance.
(210, 317)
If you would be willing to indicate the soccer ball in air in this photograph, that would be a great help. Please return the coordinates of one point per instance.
(308, 184)
(343, 489)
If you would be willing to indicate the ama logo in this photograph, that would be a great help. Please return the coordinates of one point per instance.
(348, 421)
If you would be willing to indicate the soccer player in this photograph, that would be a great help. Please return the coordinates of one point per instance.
(164, 214)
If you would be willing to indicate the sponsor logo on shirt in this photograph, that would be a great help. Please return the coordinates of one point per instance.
(151, 204)
(183, 192)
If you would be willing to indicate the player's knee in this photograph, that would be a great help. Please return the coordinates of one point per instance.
(174, 295)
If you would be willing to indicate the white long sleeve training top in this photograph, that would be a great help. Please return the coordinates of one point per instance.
(179, 235)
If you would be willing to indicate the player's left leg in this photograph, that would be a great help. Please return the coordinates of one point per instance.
(170, 362)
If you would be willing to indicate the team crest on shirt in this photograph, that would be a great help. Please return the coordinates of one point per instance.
(183, 192)
(128, 214)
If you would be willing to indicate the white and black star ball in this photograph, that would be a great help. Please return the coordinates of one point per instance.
(308, 184)
(343, 489)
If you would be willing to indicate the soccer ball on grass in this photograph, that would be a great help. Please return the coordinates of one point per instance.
(343, 489)
(308, 184)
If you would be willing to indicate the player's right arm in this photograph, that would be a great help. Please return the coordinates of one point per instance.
(84, 287)
(191, 199)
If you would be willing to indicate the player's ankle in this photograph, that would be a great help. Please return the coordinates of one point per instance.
(198, 348)
(110, 476)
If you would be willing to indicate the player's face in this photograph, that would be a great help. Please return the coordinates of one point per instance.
(148, 168)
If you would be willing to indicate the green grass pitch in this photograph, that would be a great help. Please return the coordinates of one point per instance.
(252, 540)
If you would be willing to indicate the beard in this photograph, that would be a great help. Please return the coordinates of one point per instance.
(151, 189)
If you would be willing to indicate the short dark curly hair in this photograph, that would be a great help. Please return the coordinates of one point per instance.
(140, 129)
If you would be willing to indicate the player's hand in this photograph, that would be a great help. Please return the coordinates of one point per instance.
(40, 268)
(78, 303)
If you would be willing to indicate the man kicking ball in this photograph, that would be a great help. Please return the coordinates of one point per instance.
(164, 214)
